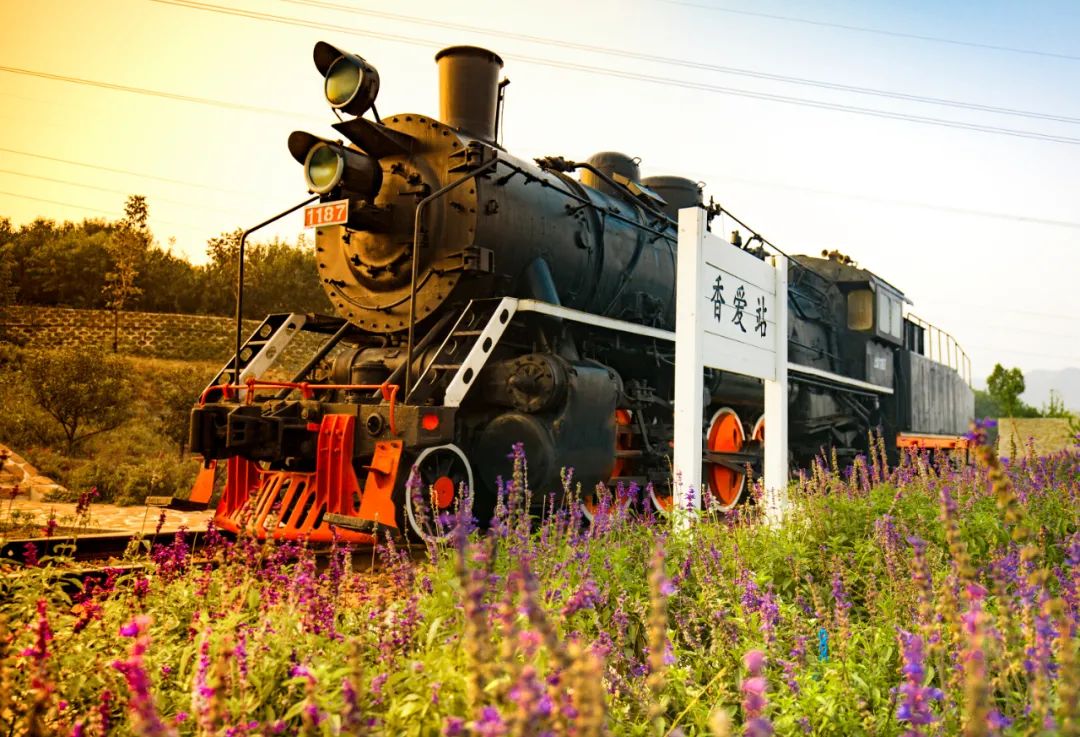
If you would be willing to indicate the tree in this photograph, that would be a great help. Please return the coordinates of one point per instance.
(985, 406)
(128, 247)
(1056, 407)
(169, 283)
(1005, 387)
(84, 390)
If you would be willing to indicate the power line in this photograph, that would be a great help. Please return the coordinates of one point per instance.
(151, 92)
(993, 214)
(805, 102)
(688, 63)
(1000, 349)
(114, 191)
(665, 81)
(111, 213)
(1070, 316)
(879, 31)
(127, 172)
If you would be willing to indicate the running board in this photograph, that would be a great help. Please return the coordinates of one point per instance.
(508, 307)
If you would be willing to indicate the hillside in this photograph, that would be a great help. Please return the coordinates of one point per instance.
(1066, 382)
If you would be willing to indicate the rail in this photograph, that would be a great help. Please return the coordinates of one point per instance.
(307, 391)
(943, 348)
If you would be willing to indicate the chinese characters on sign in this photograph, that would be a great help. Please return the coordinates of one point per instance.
(732, 316)
(739, 305)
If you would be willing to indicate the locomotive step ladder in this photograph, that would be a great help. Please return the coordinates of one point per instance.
(257, 354)
(260, 351)
(473, 335)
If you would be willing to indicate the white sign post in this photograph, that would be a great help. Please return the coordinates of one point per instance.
(731, 314)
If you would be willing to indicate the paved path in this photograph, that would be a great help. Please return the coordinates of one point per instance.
(105, 517)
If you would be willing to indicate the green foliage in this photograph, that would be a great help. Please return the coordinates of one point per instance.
(84, 390)
(278, 277)
(119, 266)
(142, 457)
(264, 641)
(1005, 387)
(1056, 407)
(129, 480)
(986, 406)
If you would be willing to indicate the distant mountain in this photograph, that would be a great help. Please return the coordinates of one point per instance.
(1065, 382)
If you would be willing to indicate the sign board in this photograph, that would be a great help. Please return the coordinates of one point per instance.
(731, 314)
(326, 213)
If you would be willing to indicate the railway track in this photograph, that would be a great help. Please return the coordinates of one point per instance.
(100, 555)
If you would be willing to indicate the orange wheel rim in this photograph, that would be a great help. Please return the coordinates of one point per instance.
(759, 430)
(725, 436)
(623, 439)
(444, 491)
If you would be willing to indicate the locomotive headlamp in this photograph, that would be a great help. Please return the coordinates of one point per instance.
(331, 165)
(351, 84)
(323, 168)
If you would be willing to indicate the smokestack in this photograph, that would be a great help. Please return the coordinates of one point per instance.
(469, 89)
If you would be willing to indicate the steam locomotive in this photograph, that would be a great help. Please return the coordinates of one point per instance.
(483, 300)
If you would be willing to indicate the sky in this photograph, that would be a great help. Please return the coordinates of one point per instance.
(980, 229)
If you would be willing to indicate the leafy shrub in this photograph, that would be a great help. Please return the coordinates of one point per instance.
(84, 390)
(130, 482)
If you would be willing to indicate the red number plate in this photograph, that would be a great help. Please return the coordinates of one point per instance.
(326, 213)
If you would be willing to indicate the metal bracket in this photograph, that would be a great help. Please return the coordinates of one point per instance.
(475, 258)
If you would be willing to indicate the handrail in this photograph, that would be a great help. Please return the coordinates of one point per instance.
(948, 353)
(418, 240)
(240, 278)
(307, 390)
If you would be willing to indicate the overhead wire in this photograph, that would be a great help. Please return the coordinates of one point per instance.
(636, 76)
(113, 191)
(127, 172)
(111, 213)
(992, 214)
(151, 92)
(300, 22)
(878, 31)
(687, 63)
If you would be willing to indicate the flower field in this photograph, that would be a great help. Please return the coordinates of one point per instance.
(926, 599)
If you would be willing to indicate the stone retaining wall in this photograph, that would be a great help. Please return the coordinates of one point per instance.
(19, 479)
(151, 334)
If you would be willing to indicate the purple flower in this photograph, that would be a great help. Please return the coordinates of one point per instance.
(997, 721)
(754, 661)
(454, 727)
(586, 597)
(914, 706)
(144, 717)
(758, 727)
(490, 723)
(30, 555)
(754, 701)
